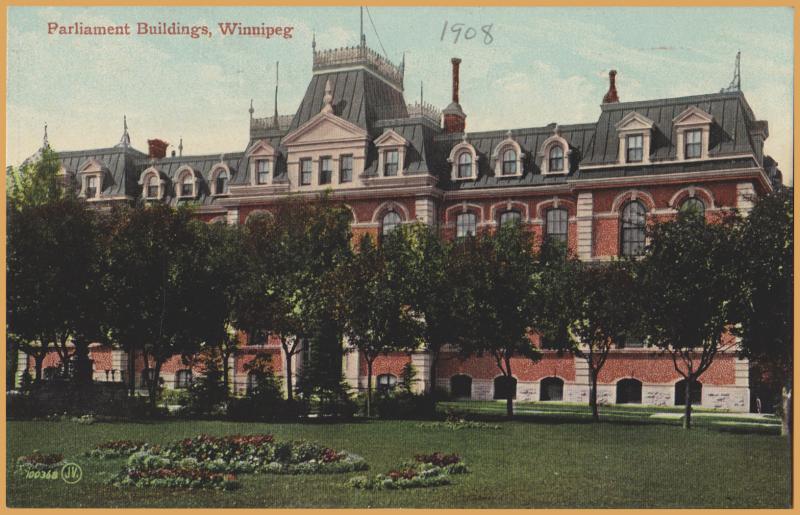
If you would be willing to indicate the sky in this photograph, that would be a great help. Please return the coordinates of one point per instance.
(542, 65)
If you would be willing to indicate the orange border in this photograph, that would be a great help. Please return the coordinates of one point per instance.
(396, 3)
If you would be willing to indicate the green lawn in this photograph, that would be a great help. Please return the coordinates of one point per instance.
(546, 463)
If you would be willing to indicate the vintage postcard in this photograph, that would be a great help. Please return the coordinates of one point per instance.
(399, 257)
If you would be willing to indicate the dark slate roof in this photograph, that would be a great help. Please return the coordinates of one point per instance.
(118, 161)
(730, 133)
(168, 166)
(274, 139)
(358, 96)
(420, 157)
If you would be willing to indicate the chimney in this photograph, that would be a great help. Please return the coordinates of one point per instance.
(157, 148)
(611, 96)
(454, 117)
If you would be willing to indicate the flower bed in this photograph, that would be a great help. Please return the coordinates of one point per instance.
(117, 449)
(175, 477)
(456, 425)
(38, 462)
(426, 470)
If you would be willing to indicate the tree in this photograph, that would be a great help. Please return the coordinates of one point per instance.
(497, 308)
(422, 258)
(151, 273)
(35, 183)
(606, 316)
(292, 254)
(687, 284)
(376, 315)
(53, 268)
(765, 246)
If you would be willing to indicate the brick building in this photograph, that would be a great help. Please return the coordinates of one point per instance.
(594, 185)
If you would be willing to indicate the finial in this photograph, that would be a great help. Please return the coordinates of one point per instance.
(403, 63)
(328, 98)
(222, 158)
(464, 138)
(313, 40)
(557, 129)
(275, 116)
(180, 146)
(125, 140)
(508, 134)
(45, 143)
(251, 110)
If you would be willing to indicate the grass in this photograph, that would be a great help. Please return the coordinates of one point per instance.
(552, 463)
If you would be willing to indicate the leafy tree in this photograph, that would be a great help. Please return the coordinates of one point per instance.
(54, 269)
(422, 258)
(606, 315)
(150, 280)
(207, 393)
(498, 307)
(376, 316)
(35, 183)
(687, 283)
(765, 246)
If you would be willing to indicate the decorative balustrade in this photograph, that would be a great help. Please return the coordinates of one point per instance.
(424, 110)
(268, 122)
(359, 55)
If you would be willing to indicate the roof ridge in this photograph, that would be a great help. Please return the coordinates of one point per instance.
(616, 106)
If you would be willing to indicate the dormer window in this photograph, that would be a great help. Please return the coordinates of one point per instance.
(152, 187)
(91, 187)
(391, 160)
(262, 171)
(221, 183)
(464, 165)
(694, 144)
(187, 186)
(220, 178)
(507, 157)
(556, 159)
(509, 162)
(634, 148)
(186, 182)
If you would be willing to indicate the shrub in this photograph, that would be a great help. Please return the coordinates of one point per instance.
(404, 405)
(207, 394)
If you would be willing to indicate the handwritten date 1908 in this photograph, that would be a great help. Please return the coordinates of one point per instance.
(466, 33)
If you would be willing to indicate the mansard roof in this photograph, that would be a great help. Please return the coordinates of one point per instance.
(118, 161)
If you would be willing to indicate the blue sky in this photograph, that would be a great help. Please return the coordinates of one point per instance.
(544, 65)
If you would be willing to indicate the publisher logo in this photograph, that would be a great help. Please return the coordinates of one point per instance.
(71, 473)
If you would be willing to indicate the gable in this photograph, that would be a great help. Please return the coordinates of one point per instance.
(324, 127)
(634, 121)
(390, 138)
(693, 116)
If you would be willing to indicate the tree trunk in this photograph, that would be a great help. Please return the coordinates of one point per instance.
(432, 376)
(687, 407)
(225, 382)
(38, 361)
(593, 393)
(510, 394)
(153, 384)
(289, 387)
(12, 362)
(131, 372)
(369, 388)
(83, 366)
(786, 418)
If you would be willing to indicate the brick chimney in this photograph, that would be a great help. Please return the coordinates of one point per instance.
(454, 117)
(611, 96)
(157, 148)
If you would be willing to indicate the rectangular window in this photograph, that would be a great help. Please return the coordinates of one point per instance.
(556, 228)
(694, 144)
(305, 172)
(346, 169)
(465, 225)
(186, 189)
(391, 163)
(634, 145)
(262, 171)
(325, 170)
(91, 187)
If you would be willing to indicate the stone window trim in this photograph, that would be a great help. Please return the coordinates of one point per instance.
(630, 195)
(698, 192)
(216, 171)
(388, 141)
(509, 205)
(180, 174)
(499, 151)
(455, 153)
(261, 150)
(92, 168)
(692, 118)
(556, 140)
(144, 180)
(634, 124)
(555, 203)
(386, 207)
(452, 212)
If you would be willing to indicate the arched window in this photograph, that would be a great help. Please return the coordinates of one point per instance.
(221, 183)
(390, 222)
(386, 382)
(464, 165)
(466, 225)
(510, 162)
(183, 378)
(629, 391)
(505, 387)
(694, 206)
(556, 163)
(461, 386)
(556, 227)
(632, 230)
(253, 378)
(510, 217)
(187, 186)
(551, 389)
(695, 392)
(152, 186)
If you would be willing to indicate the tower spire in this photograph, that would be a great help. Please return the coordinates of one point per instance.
(180, 147)
(362, 37)
(251, 110)
(125, 140)
(736, 82)
(275, 116)
(45, 143)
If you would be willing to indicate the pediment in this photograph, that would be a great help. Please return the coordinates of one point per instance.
(390, 138)
(92, 165)
(322, 128)
(693, 116)
(261, 148)
(634, 121)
